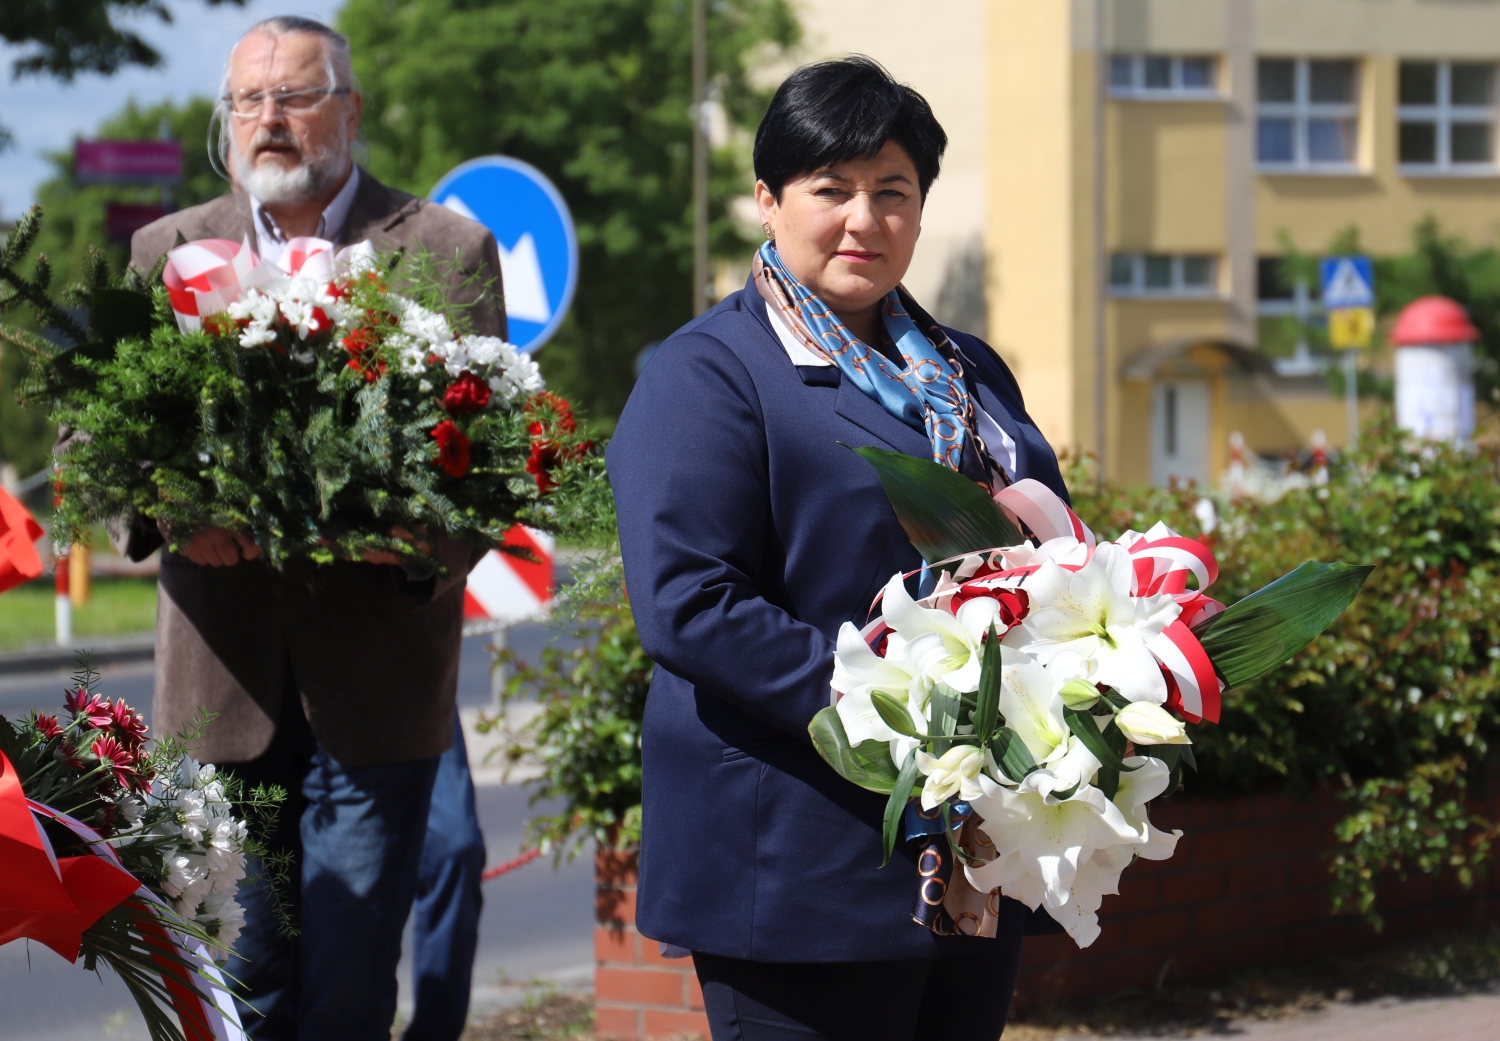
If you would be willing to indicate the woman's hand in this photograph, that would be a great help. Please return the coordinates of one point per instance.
(220, 547)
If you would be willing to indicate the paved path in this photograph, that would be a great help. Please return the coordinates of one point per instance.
(537, 924)
(1474, 1017)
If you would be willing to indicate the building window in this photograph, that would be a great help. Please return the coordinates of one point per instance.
(1163, 274)
(1160, 76)
(1308, 114)
(1447, 116)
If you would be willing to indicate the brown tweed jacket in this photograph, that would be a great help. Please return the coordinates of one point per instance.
(372, 652)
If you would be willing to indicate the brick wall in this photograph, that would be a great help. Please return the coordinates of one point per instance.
(1248, 886)
(638, 994)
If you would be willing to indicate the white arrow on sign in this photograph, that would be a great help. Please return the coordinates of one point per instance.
(525, 291)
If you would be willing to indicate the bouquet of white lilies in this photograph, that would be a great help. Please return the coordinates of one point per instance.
(1023, 713)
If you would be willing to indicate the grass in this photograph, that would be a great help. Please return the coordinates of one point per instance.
(116, 607)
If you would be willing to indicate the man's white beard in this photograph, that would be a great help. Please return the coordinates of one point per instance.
(270, 182)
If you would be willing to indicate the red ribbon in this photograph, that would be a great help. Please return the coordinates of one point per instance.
(49, 899)
(19, 560)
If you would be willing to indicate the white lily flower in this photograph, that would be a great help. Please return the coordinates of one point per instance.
(1148, 724)
(859, 671)
(943, 647)
(1091, 612)
(1042, 845)
(956, 772)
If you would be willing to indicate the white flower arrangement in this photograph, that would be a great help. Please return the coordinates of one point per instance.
(1035, 699)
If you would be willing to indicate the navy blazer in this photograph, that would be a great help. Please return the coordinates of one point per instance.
(750, 535)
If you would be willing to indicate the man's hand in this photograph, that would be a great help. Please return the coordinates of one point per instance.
(218, 547)
(380, 556)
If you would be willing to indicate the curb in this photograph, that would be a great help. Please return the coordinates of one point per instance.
(113, 651)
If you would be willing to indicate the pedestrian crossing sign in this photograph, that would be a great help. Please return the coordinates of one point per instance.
(1348, 282)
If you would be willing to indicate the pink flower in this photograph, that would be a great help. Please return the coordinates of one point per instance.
(119, 758)
(48, 725)
(92, 707)
(129, 724)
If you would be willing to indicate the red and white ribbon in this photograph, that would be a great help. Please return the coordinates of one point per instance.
(204, 1007)
(1038, 507)
(205, 276)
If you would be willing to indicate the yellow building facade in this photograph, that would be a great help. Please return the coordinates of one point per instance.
(1149, 161)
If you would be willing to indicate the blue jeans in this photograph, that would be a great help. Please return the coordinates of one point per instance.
(357, 833)
(449, 900)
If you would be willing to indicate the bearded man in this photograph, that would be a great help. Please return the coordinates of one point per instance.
(337, 683)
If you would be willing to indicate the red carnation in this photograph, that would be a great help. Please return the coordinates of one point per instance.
(466, 394)
(453, 448)
(358, 341)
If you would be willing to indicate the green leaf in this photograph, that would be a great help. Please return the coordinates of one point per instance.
(987, 704)
(943, 512)
(893, 712)
(867, 764)
(943, 709)
(1012, 754)
(1268, 627)
(895, 806)
(1083, 724)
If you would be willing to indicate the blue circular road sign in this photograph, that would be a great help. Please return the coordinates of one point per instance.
(538, 247)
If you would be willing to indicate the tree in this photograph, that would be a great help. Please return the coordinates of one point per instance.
(74, 221)
(66, 37)
(1438, 263)
(596, 94)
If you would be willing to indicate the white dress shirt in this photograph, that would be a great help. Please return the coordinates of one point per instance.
(1001, 445)
(269, 240)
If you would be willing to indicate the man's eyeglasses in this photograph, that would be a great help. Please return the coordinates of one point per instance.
(248, 104)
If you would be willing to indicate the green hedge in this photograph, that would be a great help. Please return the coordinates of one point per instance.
(1392, 707)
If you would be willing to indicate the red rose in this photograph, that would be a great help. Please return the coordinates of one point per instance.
(453, 448)
(466, 394)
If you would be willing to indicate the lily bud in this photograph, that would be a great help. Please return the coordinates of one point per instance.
(1148, 724)
(1079, 694)
(956, 773)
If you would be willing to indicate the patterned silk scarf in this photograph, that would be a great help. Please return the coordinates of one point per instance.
(928, 394)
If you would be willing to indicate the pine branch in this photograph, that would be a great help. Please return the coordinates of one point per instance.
(33, 290)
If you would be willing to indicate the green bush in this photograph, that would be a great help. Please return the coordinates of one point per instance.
(587, 735)
(1393, 706)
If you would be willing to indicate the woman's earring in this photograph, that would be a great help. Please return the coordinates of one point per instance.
(770, 236)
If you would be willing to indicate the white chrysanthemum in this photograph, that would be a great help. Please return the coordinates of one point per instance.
(222, 916)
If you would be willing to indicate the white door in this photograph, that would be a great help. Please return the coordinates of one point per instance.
(1179, 432)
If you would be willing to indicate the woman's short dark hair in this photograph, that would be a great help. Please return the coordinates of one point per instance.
(838, 110)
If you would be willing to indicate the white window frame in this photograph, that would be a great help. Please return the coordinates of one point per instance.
(1444, 114)
(1137, 89)
(1178, 290)
(1301, 110)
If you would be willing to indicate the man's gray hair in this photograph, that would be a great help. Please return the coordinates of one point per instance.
(335, 56)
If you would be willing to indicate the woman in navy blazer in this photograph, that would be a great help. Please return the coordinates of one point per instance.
(750, 534)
